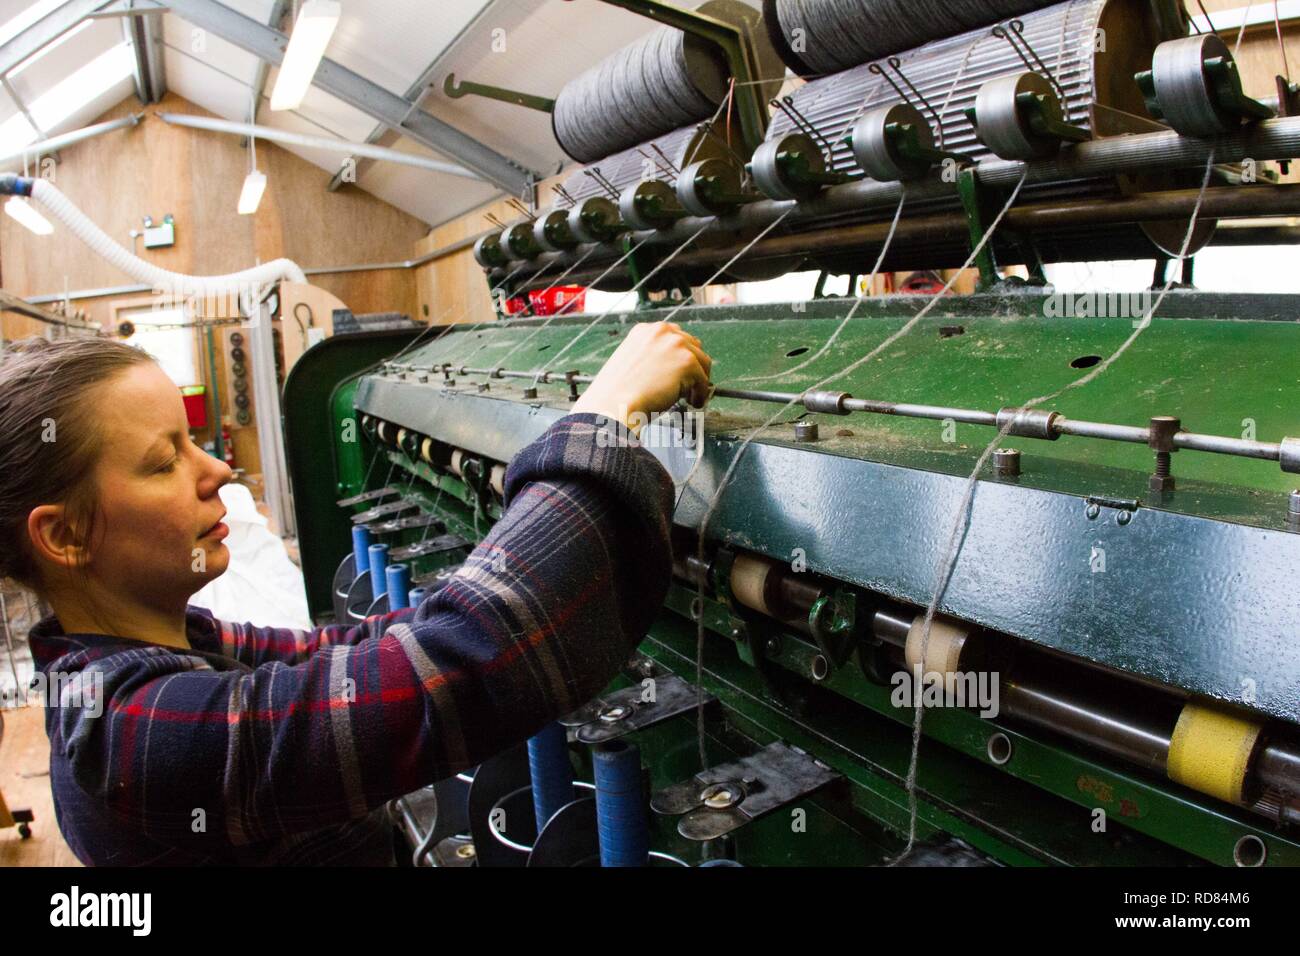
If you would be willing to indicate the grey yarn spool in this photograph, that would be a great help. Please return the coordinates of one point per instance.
(832, 35)
(654, 86)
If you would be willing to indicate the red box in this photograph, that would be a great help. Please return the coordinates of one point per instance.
(196, 405)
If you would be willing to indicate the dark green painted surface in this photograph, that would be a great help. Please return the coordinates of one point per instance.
(1219, 376)
(322, 465)
(1213, 372)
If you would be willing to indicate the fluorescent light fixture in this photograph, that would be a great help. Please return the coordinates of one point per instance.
(18, 208)
(311, 35)
(251, 195)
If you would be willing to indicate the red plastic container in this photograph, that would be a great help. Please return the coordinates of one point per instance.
(568, 298)
(196, 405)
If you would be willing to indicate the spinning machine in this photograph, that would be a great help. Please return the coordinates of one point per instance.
(1057, 535)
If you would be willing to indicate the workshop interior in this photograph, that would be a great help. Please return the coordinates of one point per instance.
(986, 546)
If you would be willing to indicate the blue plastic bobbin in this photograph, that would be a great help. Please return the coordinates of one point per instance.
(621, 819)
(378, 562)
(552, 774)
(360, 549)
(399, 585)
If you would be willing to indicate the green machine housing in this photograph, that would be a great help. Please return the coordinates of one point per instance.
(1132, 611)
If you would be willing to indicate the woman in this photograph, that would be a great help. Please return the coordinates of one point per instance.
(179, 739)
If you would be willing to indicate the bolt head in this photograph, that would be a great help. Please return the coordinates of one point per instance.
(530, 393)
(1162, 484)
(805, 431)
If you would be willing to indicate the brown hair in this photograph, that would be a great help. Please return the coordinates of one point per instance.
(48, 443)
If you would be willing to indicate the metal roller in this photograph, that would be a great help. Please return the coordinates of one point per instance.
(595, 219)
(489, 253)
(1005, 124)
(710, 187)
(519, 239)
(879, 153)
(1196, 87)
(650, 204)
(551, 231)
(790, 167)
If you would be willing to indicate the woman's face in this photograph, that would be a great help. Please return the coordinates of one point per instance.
(158, 537)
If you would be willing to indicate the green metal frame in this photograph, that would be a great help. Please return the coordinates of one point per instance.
(1040, 806)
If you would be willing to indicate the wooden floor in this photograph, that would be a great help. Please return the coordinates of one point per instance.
(25, 783)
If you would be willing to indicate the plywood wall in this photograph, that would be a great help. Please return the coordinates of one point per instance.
(155, 169)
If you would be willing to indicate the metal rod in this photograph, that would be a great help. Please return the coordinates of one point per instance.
(342, 146)
(74, 136)
(1192, 441)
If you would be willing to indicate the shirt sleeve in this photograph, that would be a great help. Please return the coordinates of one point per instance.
(255, 645)
(536, 622)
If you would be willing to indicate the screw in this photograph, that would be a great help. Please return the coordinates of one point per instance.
(484, 387)
(1161, 439)
(774, 646)
(573, 386)
(1006, 462)
(530, 392)
(805, 431)
(1293, 508)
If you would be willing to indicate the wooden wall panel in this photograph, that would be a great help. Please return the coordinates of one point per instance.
(154, 169)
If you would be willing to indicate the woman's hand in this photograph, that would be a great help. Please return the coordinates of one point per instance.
(656, 365)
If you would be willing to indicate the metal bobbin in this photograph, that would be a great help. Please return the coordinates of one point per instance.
(1019, 116)
(650, 204)
(595, 219)
(893, 143)
(489, 253)
(1193, 85)
(551, 231)
(519, 239)
(711, 187)
(792, 166)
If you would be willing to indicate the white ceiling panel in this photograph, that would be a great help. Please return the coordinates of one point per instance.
(78, 46)
(391, 42)
(206, 86)
(185, 38)
(431, 197)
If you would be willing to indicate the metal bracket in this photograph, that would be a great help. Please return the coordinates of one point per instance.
(611, 716)
(457, 90)
(413, 523)
(833, 620)
(376, 495)
(383, 511)
(721, 799)
(439, 545)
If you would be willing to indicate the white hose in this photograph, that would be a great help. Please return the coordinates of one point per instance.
(247, 282)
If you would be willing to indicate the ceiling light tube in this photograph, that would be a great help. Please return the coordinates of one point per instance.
(251, 195)
(311, 35)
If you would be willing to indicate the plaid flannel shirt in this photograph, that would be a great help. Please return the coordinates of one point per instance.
(273, 745)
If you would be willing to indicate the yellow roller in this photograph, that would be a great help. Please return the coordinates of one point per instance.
(942, 652)
(1210, 751)
(749, 582)
(426, 450)
(457, 458)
